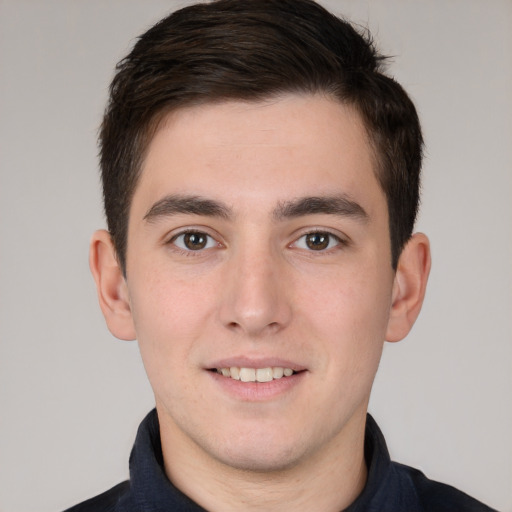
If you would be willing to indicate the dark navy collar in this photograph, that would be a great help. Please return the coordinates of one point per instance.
(390, 487)
(151, 489)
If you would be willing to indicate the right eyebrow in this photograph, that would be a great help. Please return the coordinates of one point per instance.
(192, 205)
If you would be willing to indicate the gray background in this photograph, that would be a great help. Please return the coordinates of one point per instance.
(71, 396)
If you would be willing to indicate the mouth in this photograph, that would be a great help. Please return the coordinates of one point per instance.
(267, 374)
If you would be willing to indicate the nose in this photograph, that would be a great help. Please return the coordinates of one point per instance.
(255, 294)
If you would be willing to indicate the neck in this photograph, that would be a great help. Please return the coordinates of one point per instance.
(328, 480)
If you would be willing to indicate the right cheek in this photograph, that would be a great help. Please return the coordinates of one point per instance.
(169, 310)
(162, 323)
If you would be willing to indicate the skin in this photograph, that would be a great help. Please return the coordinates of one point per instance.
(258, 295)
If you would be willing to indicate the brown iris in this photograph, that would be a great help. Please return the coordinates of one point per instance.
(195, 241)
(317, 241)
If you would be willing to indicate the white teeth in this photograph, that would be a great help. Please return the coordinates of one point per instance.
(255, 374)
(277, 372)
(247, 374)
(264, 374)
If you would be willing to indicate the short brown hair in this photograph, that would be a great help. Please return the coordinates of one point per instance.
(251, 50)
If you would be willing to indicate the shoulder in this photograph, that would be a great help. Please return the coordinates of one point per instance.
(436, 496)
(105, 502)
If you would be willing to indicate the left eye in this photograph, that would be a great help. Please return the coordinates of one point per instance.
(193, 241)
(317, 241)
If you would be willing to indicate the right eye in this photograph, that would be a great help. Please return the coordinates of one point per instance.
(193, 241)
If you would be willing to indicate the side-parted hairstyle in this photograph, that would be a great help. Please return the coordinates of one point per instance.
(253, 50)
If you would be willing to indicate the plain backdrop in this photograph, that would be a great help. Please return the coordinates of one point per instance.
(71, 396)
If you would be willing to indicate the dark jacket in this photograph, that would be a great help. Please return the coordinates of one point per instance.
(390, 487)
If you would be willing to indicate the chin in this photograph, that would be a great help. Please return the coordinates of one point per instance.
(259, 460)
(261, 451)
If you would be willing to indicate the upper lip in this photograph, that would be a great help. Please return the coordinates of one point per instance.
(253, 362)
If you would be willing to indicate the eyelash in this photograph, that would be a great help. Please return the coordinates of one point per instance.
(211, 242)
(331, 237)
(192, 252)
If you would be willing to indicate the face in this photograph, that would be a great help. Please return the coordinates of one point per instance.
(258, 246)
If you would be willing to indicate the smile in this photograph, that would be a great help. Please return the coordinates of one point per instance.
(255, 374)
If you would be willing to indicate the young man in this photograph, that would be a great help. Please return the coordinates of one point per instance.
(261, 181)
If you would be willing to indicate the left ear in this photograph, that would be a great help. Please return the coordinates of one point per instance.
(409, 286)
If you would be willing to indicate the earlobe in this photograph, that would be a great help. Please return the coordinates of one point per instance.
(111, 286)
(409, 287)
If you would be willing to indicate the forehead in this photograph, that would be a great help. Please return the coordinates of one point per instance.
(293, 145)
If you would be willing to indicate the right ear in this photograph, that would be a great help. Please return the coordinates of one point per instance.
(111, 286)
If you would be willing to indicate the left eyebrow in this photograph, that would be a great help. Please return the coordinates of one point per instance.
(340, 205)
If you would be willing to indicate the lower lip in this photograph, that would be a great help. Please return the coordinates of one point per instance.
(257, 391)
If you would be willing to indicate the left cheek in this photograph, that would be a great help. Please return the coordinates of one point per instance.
(353, 309)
